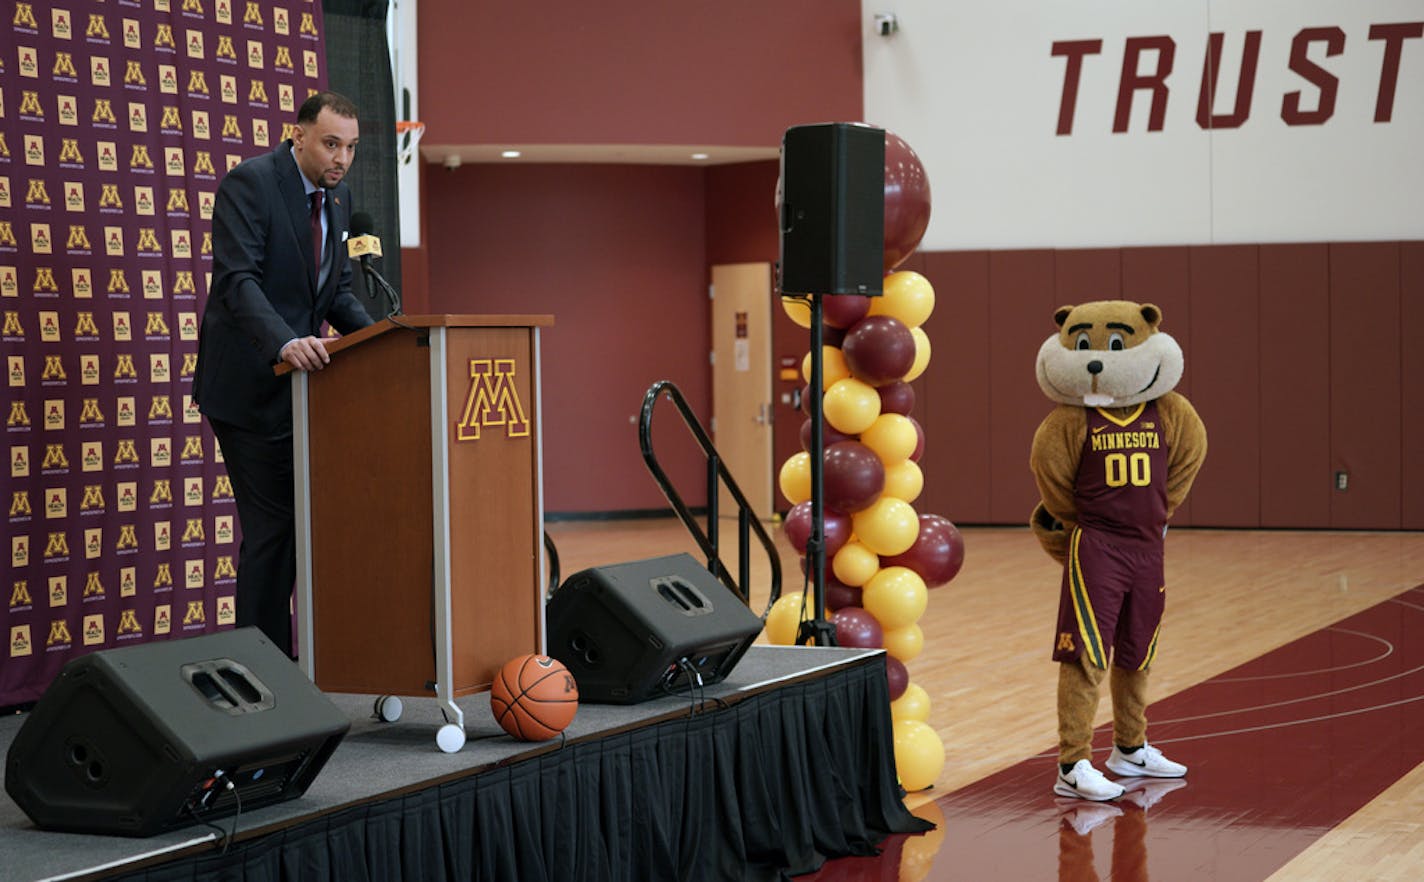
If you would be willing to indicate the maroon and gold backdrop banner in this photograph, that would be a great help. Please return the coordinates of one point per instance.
(117, 120)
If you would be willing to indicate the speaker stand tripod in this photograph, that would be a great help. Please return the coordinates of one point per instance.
(817, 631)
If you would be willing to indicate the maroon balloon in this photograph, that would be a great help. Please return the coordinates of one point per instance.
(907, 201)
(844, 310)
(937, 554)
(897, 675)
(806, 399)
(879, 349)
(840, 595)
(919, 439)
(897, 397)
(797, 527)
(858, 628)
(829, 435)
(852, 477)
(838, 530)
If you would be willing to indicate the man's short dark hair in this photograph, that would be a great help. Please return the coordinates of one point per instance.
(336, 103)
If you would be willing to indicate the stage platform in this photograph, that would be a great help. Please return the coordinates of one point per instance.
(786, 763)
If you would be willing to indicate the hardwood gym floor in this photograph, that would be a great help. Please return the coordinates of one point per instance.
(1290, 677)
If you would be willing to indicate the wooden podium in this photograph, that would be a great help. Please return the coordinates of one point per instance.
(419, 495)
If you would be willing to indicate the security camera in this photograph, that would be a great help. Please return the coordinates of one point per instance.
(453, 161)
(886, 23)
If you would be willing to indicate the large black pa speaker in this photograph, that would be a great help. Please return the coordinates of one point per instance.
(833, 209)
(140, 740)
(638, 630)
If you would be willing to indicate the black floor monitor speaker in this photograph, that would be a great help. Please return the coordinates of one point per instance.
(639, 630)
(833, 209)
(147, 738)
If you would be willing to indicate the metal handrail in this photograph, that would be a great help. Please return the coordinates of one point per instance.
(717, 476)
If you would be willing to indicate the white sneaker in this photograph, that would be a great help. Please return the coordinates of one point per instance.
(1085, 782)
(1147, 761)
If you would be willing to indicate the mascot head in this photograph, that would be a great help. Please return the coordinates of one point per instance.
(1108, 353)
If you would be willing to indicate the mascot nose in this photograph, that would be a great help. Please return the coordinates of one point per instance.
(1095, 367)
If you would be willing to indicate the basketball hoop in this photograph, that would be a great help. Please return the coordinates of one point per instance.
(408, 133)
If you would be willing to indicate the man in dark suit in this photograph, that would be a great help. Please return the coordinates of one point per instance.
(280, 270)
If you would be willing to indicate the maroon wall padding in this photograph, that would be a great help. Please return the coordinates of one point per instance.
(1411, 324)
(734, 72)
(1295, 385)
(1161, 275)
(617, 255)
(1225, 366)
(1365, 386)
(1084, 274)
(952, 400)
(1021, 306)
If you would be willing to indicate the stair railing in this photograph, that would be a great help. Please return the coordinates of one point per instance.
(717, 476)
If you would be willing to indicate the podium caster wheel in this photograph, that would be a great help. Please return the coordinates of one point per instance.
(450, 738)
(389, 708)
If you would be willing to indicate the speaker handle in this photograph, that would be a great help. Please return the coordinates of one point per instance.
(682, 595)
(228, 686)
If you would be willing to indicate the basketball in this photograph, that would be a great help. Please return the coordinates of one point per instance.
(534, 697)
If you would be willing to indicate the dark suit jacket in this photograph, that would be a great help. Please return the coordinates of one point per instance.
(264, 290)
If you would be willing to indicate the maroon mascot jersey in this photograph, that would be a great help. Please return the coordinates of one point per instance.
(1122, 477)
(1113, 585)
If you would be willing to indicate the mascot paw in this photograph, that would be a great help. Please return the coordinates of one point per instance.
(1050, 532)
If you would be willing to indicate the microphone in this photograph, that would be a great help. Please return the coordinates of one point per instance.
(363, 245)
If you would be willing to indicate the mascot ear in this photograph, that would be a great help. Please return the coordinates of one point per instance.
(1152, 315)
(1061, 315)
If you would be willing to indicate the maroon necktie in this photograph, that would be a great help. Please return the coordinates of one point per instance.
(316, 229)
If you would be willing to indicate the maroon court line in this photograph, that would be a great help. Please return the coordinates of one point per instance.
(1281, 749)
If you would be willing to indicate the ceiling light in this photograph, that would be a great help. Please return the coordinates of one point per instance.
(699, 156)
(511, 154)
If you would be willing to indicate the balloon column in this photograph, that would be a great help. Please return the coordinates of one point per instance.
(883, 556)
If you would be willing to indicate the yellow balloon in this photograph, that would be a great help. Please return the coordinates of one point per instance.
(908, 297)
(914, 704)
(922, 353)
(851, 406)
(854, 564)
(896, 596)
(795, 478)
(905, 643)
(892, 437)
(798, 310)
(783, 620)
(904, 480)
(919, 754)
(833, 367)
(889, 526)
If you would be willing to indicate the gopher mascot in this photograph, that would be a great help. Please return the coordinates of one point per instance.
(1112, 462)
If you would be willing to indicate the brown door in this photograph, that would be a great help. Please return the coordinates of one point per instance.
(741, 380)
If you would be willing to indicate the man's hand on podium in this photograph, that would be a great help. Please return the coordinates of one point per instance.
(305, 353)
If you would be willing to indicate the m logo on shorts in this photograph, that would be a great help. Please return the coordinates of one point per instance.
(1065, 641)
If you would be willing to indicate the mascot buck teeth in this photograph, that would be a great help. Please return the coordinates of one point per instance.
(1112, 462)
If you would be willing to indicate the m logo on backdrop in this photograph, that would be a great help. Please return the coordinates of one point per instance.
(492, 401)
